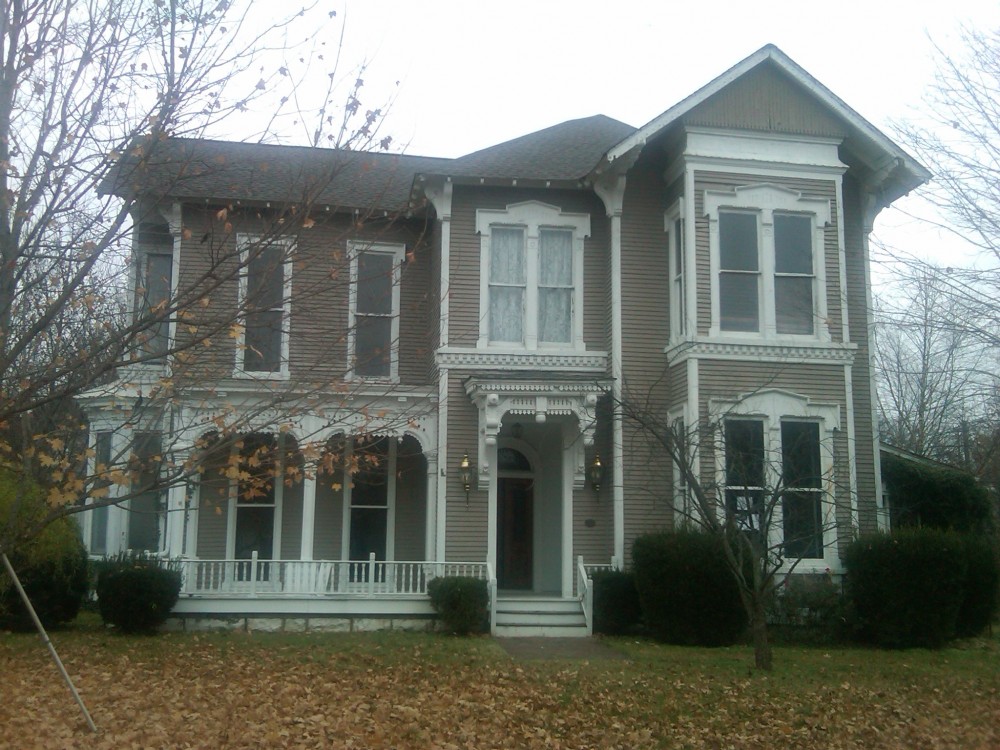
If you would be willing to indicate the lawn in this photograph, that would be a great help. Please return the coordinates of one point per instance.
(422, 691)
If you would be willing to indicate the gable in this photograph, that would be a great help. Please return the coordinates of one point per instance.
(766, 99)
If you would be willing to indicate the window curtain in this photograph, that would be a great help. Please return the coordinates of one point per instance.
(555, 286)
(507, 282)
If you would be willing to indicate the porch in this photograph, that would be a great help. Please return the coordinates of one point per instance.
(316, 594)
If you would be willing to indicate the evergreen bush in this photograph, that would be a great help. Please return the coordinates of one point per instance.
(982, 585)
(135, 593)
(616, 602)
(686, 590)
(907, 589)
(51, 566)
(461, 602)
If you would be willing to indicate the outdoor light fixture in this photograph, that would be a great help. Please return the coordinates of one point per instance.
(595, 472)
(465, 473)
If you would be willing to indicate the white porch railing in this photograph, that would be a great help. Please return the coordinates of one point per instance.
(585, 590)
(305, 578)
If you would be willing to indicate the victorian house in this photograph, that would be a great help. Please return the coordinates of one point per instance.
(429, 354)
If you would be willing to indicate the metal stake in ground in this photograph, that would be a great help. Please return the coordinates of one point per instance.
(45, 639)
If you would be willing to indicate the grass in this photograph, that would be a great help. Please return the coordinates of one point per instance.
(425, 691)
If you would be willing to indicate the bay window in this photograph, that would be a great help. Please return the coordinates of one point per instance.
(768, 274)
(531, 276)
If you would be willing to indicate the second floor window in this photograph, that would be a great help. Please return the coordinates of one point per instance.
(264, 304)
(532, 276)
(153, 278)
(374, 325)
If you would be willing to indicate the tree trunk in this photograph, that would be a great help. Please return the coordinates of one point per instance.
(762, 656)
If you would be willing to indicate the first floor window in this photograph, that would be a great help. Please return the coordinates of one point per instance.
(99, 516)
(802, 496)
(256, 502)
(745, 475)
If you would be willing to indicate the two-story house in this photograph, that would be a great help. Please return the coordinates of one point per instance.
(430, 353)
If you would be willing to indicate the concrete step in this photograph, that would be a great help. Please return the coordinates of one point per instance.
(559, 619)
(537, 604)
(541, 631)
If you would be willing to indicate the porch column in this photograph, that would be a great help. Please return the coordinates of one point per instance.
(430, 522)
(568, 566)
(193, 502)
(176, 510)
(308, 516)
(491, 525)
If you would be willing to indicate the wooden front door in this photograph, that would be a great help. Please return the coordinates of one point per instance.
(515, 533)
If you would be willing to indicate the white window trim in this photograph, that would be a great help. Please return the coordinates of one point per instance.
(390, 497)
(288, 245)
(680, 326)
(398, 252)
(764, 199)
(686, 512)
(771, 407)
(532, 216)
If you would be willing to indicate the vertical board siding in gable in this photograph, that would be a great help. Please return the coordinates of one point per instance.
(821, 189)
(860, 326)
(466, 521)
(463, 296)
(645, 310)
(766, 99)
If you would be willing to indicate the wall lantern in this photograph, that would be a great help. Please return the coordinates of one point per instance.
(596, 472)
(465, 474)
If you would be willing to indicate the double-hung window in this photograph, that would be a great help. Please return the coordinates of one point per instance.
(768, 274)
(154, 274)
(147, 508)
(264, 306)
(674, 227)
(373, 336)
(777, 470)
(531, 276)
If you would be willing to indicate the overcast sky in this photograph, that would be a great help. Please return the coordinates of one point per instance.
(472, 74)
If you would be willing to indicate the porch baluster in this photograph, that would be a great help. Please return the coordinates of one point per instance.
(253, 573)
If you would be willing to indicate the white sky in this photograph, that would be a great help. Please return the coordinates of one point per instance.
(472, 74)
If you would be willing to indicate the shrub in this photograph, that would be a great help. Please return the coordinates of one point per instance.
(135, 593)
(982, 585)
(616, 602)
(937, 496)
(52, 566)
(461, 602)
(809, 608)
(907, 589)
(687, 592)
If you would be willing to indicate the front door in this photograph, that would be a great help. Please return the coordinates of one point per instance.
(515, 533)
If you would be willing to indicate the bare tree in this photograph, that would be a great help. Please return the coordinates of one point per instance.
(771, 506)
(94, 96)
(934, 378)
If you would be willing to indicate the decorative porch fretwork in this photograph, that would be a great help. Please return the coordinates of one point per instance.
(497, 396)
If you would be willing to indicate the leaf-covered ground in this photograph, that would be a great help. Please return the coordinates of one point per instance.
(423, 691)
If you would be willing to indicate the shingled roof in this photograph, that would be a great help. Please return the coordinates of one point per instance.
(184, 168)
(567, 151)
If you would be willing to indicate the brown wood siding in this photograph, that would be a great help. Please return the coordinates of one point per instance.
(329, 521)
(765, 99)
(678, 381)
(819, 189)
(645, 333)
(291, 522)
(213, 514)
(320, 279)
(465, 258)
(860, 326)
(593, 512)
(466, 520)
(411, 502)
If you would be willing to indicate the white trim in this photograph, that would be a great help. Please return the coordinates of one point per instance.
(532, 217)
(288, 248)
(440, 547)
(795, 152)
(763, 200)
(743, 351)
(441, 199)
(680, 324)
(772, 406)
(519, 359)
(398, 253)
